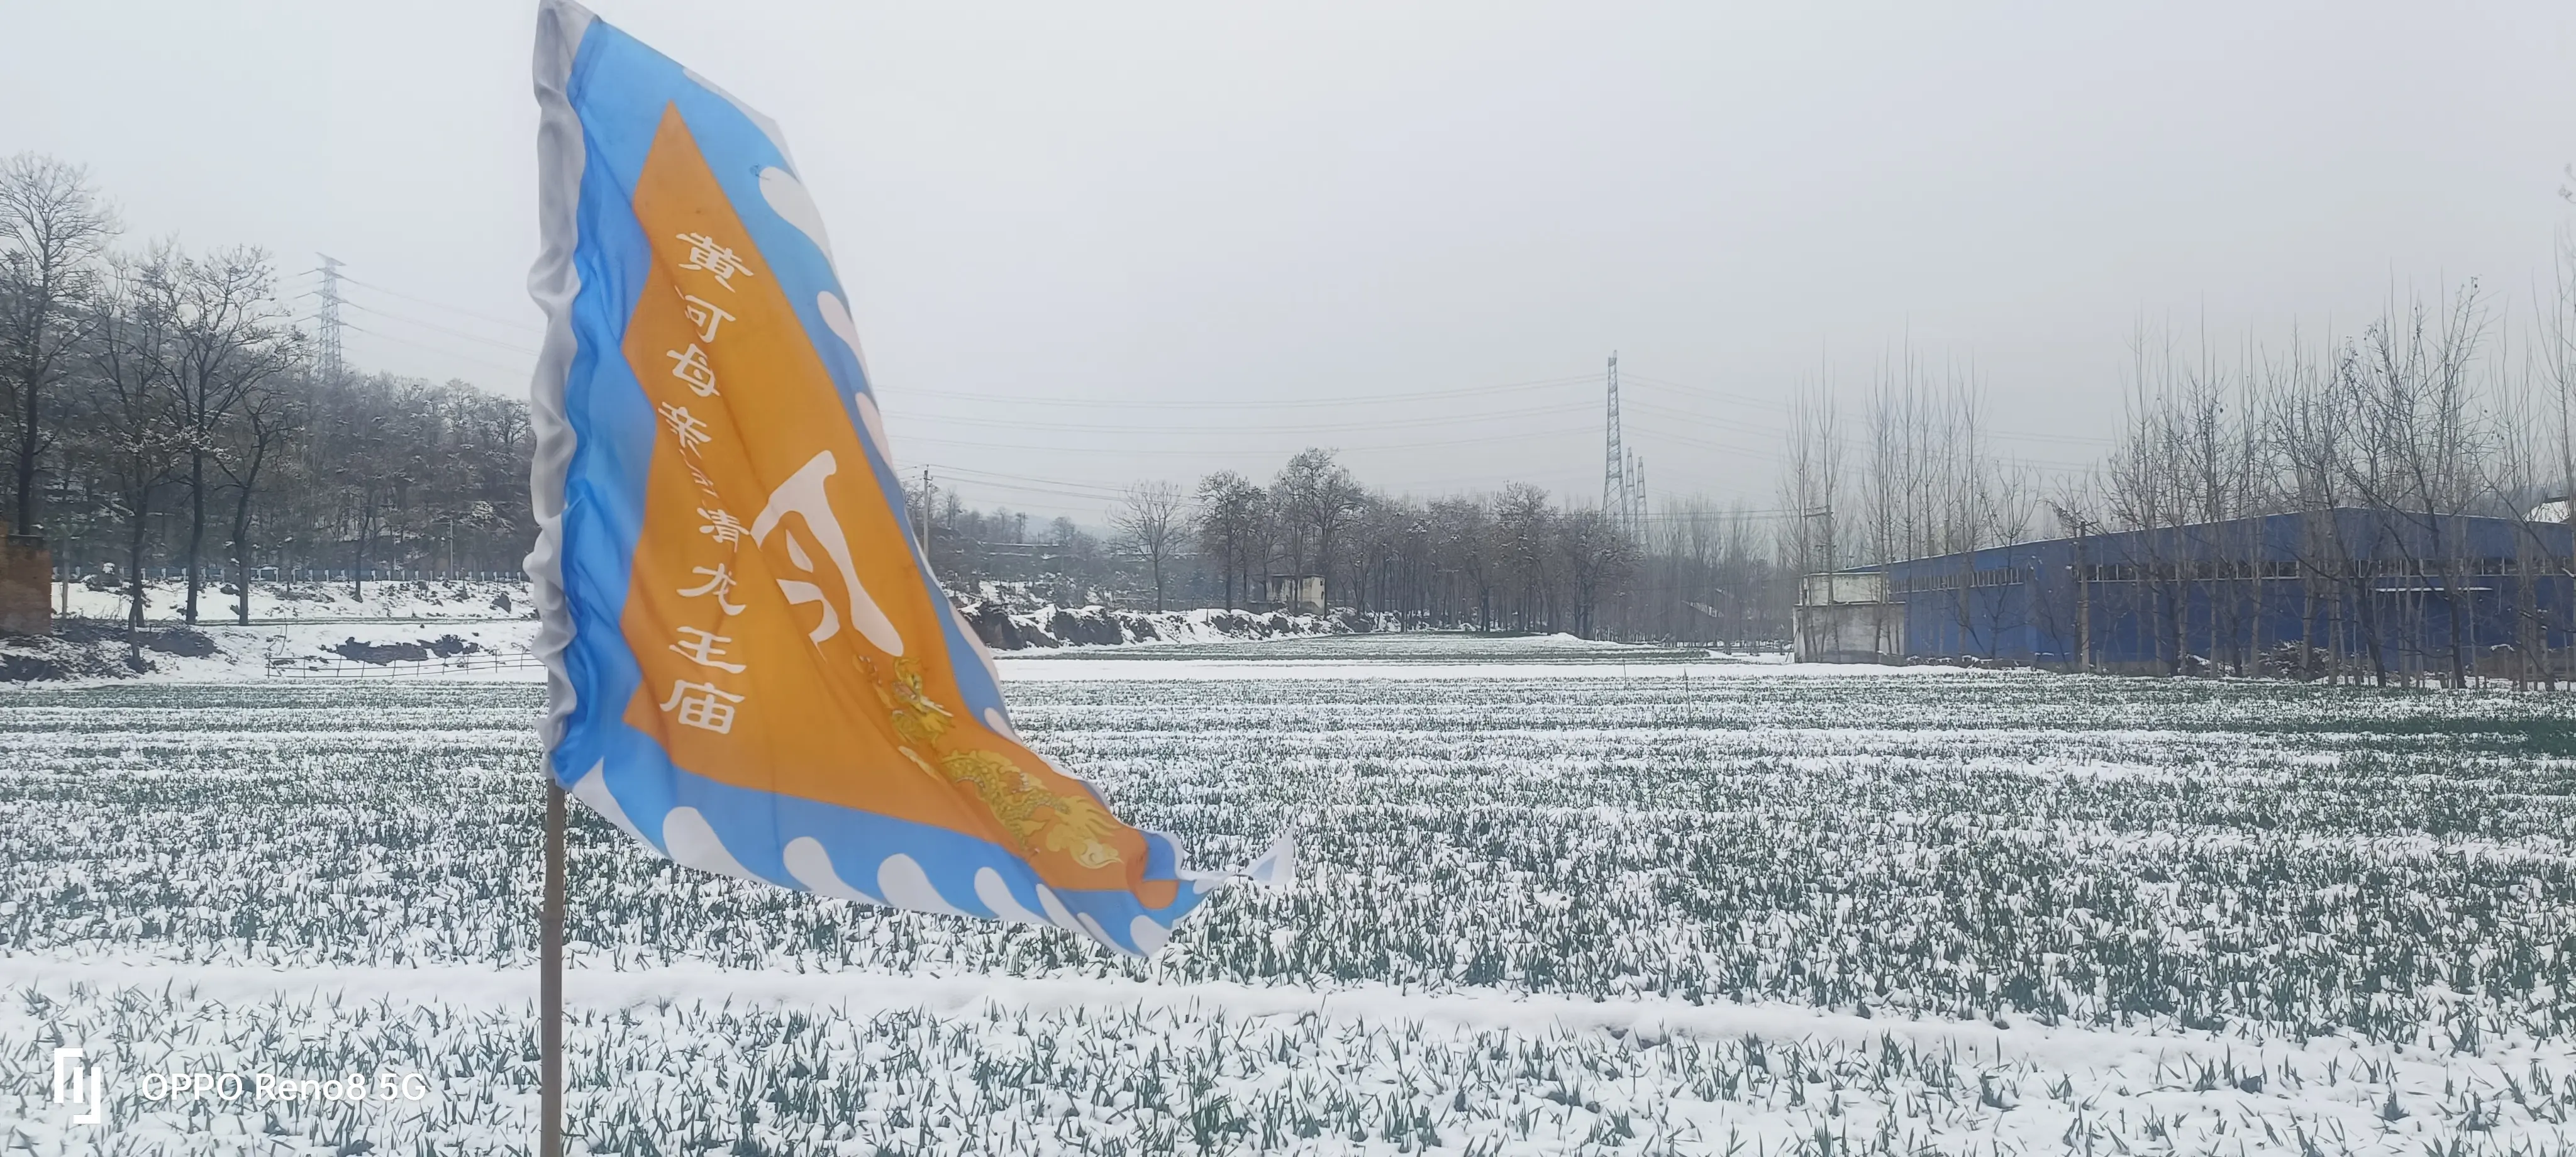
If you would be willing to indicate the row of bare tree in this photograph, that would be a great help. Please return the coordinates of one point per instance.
(1920, 476)
(162, 410)
(2437, 410)
(1513, 559)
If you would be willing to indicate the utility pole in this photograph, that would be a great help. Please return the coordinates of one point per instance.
(1816, 546)
(329, 319)
(550, 926)
(2083, 598)
(2083, 572)
(929, 507)
(1614, 466)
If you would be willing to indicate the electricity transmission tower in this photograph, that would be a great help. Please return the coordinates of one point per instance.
(1615, 500)
(1636, 494)
(328, 320)
(1623, 474)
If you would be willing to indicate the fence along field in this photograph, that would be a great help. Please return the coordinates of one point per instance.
(1609, 910)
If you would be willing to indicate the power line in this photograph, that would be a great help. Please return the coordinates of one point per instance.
(1211, 451)
(976, 475)
(1777, 406)
(436, 349)
(1264, 428)
(1846, 442)
(516, 349)
(519, 325)
(1285, 403)
(1093, 503)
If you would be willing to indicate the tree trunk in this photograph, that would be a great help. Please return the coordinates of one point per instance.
(24, 520)
(359, 544)
(241, 557)
(2463, 631)
(196, 524)
(1324, 561)
(1227, 565)
(134, 580)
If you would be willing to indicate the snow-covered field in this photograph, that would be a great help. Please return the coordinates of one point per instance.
(1557, 897)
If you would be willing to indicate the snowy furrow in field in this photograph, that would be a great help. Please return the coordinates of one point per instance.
(786, 1064)
(1997, 1041)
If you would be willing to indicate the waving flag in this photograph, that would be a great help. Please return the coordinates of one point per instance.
(750, 666)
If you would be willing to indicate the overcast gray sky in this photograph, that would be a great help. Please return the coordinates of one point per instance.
(1095, 243)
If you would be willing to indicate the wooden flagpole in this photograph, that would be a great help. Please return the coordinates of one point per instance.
(550, 979)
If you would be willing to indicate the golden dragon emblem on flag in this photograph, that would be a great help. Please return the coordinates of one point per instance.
(1035, 816)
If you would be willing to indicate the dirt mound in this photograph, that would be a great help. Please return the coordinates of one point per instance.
(89, 650)
(444, 647)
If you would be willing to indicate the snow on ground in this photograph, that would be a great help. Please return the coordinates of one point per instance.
(484, 630)
(1046, 626)
(164, 601)
(1060, 668)
(454, 632)
(88, 653)
(1543, 909)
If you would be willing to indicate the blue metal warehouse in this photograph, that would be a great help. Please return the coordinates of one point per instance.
(2360, 593)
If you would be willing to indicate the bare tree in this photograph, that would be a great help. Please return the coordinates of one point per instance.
(2556, 359)
(1812, 483)
(137, 413)
(53, 232)
(2410, 380)
(1887, 487)
(1229, 527)
(1598, 556)
(1462, 547)
(230, 338)
(269, 417)
(1151, 521)
(2147, 493)
(2309, 427)
(1524, 525)
(1316, 496)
